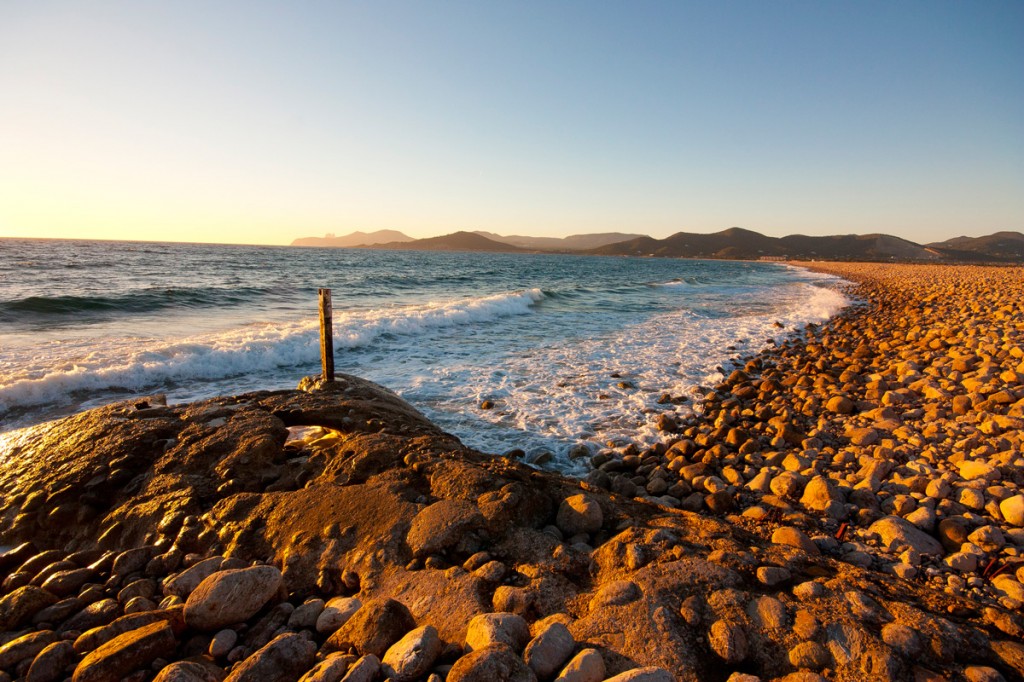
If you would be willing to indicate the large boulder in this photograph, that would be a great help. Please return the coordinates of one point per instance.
(127, 653)
(579, 514)
(284, 659)
(231, 596)
(411, 657)
(494, 662)
(377, 625)
(443, 525)
(497, 628)
(896, 532)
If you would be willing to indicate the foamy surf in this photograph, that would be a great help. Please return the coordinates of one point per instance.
(57, 375)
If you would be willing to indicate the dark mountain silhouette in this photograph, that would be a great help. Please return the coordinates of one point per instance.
(457, 241)
(355, 239)
(738, 243)
(735, 243)
(1000, 246)
(575, 242)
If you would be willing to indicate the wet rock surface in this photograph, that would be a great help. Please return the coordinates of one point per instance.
(847, 505)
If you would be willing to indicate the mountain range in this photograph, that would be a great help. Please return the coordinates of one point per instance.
(735, 243)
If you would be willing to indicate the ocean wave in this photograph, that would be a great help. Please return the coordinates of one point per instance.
(143, 301)
(55, 376)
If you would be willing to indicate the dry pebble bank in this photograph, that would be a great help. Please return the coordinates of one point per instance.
(889, 438)
(845, 506)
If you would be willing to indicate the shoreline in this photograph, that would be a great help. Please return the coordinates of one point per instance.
(846, 506)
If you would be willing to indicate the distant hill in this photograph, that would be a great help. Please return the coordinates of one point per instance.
(575, 242)
(735, 243)
(355, 239)
(457, 241)
(1001, 246)
(738, 243)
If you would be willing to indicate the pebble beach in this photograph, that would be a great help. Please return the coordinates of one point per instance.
(845, 505)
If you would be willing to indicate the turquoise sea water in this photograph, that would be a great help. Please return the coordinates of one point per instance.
(547, 338)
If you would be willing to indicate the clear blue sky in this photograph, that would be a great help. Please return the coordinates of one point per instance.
(258, 122)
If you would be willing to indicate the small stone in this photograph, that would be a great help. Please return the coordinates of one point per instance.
(863, 437)
(549, 650)
(769, 613)
(492, 572)
(795, 538)
(839, 405)
(971, 470)
(26, 647)
(1008, 585)
(497, 628)
(579, 514)
(284, 659)
(18, 607)
(511, 599)
(493, 662)
(98, 636)
(866, 609)
(809, 590)
(94, 615)
(902, 638)
(962, 561)
(304, 617)
(971, 498)
(442, 525)
(989, 538)
(809, 655)
(377, 625)
(643, 675)
(1012, 509)
(729, 641)
(127, 653)
(132, 560)
(366, 669)
(331, 669)
(336, 613)
(413, 655)
(188, 580)
(189, 671)
(67, 583)
(690, 610)
(586, 666)
(982, 673)
(952, 533)
(52, 662)
(222, 643)
(938, 489)
(897, 533)
(771, 576)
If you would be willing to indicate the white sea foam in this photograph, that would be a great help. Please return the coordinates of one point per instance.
(53, 373)
(557, 396)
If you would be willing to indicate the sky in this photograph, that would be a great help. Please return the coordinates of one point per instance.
(259, 122)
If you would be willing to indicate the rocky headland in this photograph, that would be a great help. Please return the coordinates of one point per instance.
(846, 505)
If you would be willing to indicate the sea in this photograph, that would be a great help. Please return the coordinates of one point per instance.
(570, 350)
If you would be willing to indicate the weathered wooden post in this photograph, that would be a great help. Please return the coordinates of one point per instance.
(326, 336)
